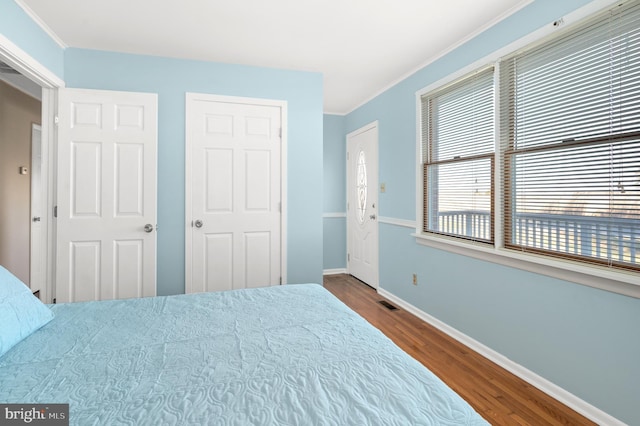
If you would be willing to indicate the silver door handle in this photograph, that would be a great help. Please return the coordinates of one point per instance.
(148, 228)
(372, 217)
(198, 224)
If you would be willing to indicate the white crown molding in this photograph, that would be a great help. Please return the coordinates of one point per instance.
(341, 114)
(546, 386)
(444, 52)
(590, 8)
(35, 18)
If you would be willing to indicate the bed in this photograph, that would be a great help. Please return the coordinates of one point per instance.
(286, 355)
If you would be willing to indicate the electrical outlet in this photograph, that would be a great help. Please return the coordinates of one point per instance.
(415, 279)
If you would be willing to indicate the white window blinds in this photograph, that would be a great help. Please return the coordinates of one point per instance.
(458, 142)
(570, 117)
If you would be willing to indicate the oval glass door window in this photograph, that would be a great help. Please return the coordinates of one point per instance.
(361, 186)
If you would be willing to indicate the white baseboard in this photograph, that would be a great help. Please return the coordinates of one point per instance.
(570, 400)
(334, 271)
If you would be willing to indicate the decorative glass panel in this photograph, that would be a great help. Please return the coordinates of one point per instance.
(361, 186)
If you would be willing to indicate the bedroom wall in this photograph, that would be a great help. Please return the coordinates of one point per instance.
(171, 79)
(20, 29)
(334, 196)
(18, 112)
(580, 338)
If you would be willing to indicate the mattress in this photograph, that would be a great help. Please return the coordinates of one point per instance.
(286, 355)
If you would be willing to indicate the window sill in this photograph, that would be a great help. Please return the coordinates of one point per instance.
(621, 282)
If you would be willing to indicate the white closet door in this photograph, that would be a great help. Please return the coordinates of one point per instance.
(106, 208)
(234, 191)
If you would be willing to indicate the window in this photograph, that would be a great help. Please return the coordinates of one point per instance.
(458, 149)
(571, 143)
(361, 186)
(568, 174)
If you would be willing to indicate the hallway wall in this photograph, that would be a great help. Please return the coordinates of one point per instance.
(18, 112)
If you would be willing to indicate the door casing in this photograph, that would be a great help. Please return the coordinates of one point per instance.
(38, 205)
(22, 62)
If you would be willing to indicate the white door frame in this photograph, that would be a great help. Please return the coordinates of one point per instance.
(365, 128)
(38, 205)
(22, 62)
(190, 98)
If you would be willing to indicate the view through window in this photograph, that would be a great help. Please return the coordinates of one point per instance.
(569, 147)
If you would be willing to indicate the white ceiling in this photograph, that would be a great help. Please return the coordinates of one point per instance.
(360, 46)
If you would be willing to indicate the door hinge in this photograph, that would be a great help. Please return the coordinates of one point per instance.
(347, 155)
(280, 280)
(55, 211)
(348, 257)
(280, 133)
(56, 120)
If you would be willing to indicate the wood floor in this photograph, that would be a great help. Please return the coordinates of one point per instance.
(497, 395)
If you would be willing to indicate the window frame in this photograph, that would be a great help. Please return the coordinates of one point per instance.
(430, 156)
(619, 281)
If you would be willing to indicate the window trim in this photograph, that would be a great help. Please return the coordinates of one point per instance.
(464, 81)
(621, 282)
(617, 281)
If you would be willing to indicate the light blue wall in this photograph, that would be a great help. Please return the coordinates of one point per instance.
(334, 197)
(580, 338)
(335, 243)
(171, 79)
(335, 164)
(18, 27)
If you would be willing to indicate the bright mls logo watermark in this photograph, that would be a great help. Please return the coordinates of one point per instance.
(34, 414)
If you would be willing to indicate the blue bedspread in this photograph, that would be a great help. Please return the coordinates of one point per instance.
(288, 355)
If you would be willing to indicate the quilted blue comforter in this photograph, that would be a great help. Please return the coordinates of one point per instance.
(288, 355)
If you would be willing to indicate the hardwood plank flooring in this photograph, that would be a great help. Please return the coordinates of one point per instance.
(497, 395)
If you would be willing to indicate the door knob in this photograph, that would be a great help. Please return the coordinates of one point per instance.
(36, 219)
(198, 224)
(148, 228)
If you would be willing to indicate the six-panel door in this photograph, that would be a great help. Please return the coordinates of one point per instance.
(106, 212)
(234, 186)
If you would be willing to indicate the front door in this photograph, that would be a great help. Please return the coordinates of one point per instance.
(234, 193)
(106, 203)
(362, 204)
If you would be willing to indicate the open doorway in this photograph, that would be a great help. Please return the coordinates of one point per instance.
(38, 82)
(20, 189)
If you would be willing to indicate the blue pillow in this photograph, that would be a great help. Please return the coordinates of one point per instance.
(21, 313)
